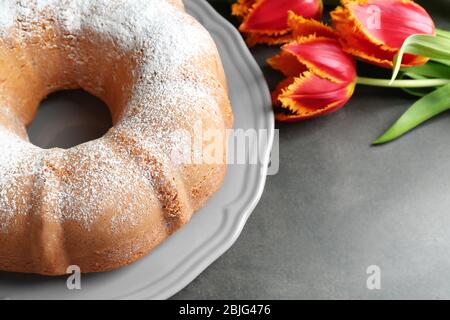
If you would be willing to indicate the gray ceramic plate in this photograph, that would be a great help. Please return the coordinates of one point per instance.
(181, 258)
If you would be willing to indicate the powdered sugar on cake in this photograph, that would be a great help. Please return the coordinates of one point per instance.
(168, 89)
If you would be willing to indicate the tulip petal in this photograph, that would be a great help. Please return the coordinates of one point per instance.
(390, 22)
(283, 85)
(255, 38)
(242, 7)
(356, 42)
(301, 27)
(282, 116)
(298, 27)
(361, 39)
(311, 96)
(287, 63)
(324, 57)
(270, 16)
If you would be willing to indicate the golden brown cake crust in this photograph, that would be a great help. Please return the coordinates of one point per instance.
(109, 202)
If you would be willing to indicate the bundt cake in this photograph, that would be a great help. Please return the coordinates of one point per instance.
(106, 203)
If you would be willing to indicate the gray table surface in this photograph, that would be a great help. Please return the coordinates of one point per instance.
(339, 205)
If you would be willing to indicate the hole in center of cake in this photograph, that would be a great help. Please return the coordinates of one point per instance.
(66, 119)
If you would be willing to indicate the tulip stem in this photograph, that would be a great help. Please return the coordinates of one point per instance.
(422, 83)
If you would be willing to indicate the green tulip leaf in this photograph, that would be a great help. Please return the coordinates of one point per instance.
(434, 47)
(430, 70)
(443, 33)
(424, 109)
(442, 61)
(417, 92)
(415, 76)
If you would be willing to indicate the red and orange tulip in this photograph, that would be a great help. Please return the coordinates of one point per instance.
(375, 30)
(321, 78)
(266, 21)
(317, 59)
